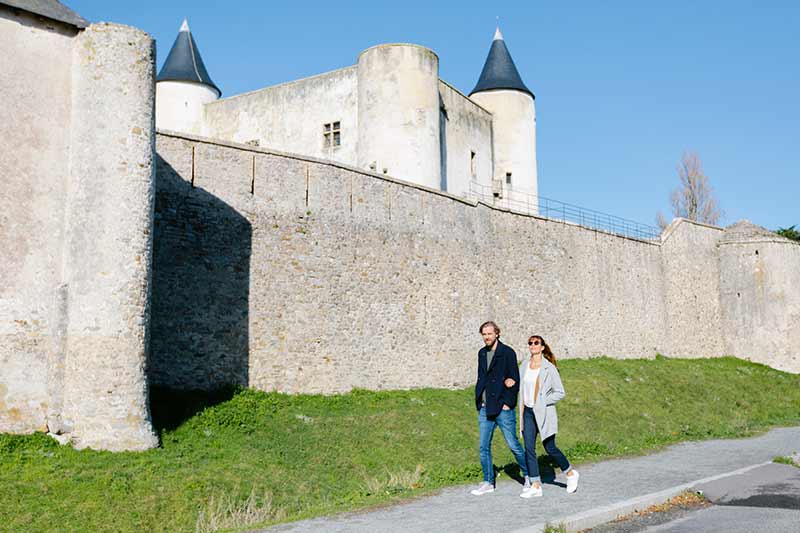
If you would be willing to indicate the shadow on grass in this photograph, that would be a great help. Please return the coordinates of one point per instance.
(170, 408)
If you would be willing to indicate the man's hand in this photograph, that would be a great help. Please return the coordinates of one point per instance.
(506, 408)
(509, 382)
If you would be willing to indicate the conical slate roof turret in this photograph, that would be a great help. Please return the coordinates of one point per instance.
(499, 71)
(184, 62)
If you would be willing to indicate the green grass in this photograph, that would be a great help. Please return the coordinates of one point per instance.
(785, 461)
(246, 458)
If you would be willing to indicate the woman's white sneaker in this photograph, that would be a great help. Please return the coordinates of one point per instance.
(484, 488)
(572, 481)
(533, 492)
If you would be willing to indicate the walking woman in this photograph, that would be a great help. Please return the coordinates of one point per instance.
(540, 389)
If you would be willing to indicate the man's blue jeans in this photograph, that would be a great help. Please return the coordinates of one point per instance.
(507, 420)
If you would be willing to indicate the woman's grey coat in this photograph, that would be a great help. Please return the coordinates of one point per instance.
(551, 390)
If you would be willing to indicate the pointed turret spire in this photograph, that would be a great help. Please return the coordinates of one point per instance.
(498, 36)
(184, 62)
(499, 71)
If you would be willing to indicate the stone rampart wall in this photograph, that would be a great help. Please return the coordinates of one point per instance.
(760, 297)
(691, 290)
(335, 278)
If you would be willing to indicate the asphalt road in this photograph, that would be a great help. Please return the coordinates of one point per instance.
(763, 500)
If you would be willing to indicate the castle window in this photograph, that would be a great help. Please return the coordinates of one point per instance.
(508, 178)
(472, 164)
(332, 134)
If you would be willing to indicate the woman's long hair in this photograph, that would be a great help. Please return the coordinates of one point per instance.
(546, 352)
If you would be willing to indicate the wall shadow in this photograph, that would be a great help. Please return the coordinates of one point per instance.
(199, 330)
(169, 408)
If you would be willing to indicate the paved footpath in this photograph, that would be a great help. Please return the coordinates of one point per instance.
(606, 489)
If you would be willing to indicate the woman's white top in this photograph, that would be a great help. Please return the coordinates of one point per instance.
(529, 386)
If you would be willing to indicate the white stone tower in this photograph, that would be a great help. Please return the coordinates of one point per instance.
(183, 86)
(398, 112)
(501, 91)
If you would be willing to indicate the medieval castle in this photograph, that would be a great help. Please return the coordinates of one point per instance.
(390, 114)
(314, 236)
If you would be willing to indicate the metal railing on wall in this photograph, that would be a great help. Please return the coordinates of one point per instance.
(522, 202)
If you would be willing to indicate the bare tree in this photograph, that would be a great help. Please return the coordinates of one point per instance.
(694, 198)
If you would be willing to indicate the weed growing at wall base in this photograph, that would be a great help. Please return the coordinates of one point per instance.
(786, 461)
(238, 459)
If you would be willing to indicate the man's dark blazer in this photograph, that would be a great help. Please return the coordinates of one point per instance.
(504, 365)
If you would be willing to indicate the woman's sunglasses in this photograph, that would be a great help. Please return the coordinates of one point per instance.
(534, 343)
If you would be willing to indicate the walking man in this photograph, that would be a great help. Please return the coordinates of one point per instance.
(495, 403)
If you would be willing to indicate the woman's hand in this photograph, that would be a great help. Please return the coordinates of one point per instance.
(509, 382)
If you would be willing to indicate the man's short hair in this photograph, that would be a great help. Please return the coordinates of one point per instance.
(492, 324)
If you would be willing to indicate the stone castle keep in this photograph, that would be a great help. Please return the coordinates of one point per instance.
(388, 114)
(238, 245)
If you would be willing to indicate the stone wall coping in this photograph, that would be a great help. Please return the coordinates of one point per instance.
(756, 240)
(392, 45)
(745, 232)
(309, 159)
(471, 101)
(279, 85)
(673, 226)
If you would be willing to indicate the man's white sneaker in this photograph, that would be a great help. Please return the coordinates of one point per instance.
(527, 486)
(572, 481)
(483, 488)
(533, 492)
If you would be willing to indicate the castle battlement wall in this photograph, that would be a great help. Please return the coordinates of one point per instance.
(336, 278)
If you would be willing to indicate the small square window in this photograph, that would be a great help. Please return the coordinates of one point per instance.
(332, 134)
(508, 178)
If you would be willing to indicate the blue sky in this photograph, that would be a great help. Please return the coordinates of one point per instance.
(622, 87)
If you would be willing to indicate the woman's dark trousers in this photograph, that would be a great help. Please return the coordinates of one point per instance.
(529, 432)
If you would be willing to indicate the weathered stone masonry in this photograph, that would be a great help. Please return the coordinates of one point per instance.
(76, 208)
(131, 258)
(292, 274)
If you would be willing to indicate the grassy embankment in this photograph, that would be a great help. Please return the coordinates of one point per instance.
(256, 458)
